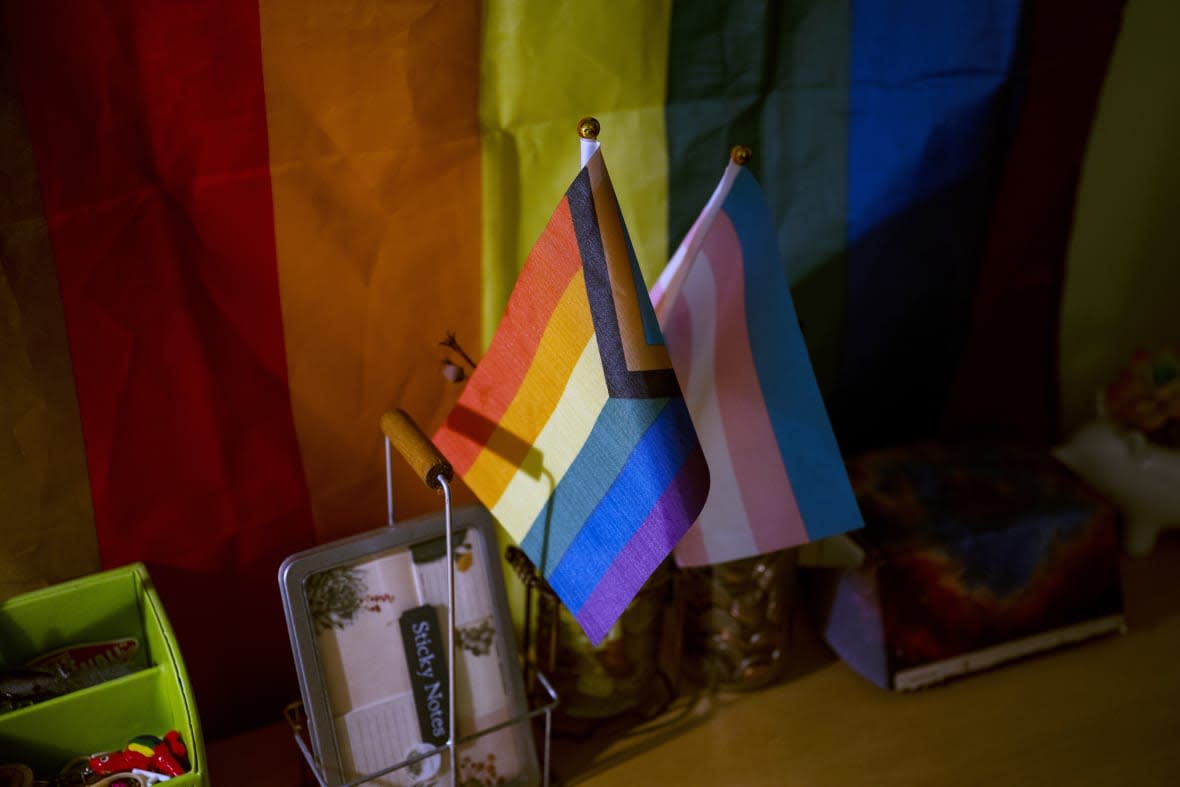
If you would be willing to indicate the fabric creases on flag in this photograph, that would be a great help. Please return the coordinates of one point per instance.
(777, 475)
(572, 430)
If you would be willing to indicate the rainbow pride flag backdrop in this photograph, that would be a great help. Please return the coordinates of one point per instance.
(572, 430)
(777, 475)
(232, 234)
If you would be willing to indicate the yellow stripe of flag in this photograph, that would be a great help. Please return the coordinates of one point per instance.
(609, 60)
(556, 446)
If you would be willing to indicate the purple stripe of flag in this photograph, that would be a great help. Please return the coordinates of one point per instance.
(638, 487)
(648, 547)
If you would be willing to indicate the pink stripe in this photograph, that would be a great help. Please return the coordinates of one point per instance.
(691, 549)
(757, 460)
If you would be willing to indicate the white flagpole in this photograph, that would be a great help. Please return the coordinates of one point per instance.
(668, 284)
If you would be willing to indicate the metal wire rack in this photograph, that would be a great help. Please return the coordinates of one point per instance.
(416, 448)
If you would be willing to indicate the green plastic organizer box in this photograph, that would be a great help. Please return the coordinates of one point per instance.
(114, 604)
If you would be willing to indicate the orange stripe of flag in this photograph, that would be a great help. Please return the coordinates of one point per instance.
(368, 174)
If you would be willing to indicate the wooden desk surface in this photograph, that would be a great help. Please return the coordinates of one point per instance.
(1105, 712)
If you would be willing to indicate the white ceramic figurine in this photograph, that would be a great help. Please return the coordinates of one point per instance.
(1140, 477)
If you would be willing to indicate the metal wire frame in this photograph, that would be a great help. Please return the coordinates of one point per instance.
(452, 744)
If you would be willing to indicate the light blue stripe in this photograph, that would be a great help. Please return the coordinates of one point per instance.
(618, 429)
(797, 413)
(637, 490)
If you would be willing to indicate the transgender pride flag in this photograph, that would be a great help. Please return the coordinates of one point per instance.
(777, 475)
(572, 429)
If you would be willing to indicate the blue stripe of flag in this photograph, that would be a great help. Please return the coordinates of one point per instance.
(934, 87)
(652, 466)
(616, 432)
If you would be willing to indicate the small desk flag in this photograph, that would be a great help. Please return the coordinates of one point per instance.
(572, 430)
(777, 476)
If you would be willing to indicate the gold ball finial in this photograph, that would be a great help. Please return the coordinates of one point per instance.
(588, 128)
(740, 155)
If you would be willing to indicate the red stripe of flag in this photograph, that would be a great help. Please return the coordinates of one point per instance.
(1007, 384)
(148, 123)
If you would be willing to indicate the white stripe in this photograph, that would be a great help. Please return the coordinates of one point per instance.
(587, 149)
(558, 444)
(664, 292)
(723, 522)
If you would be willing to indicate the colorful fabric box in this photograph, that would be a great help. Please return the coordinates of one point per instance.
(973, 555)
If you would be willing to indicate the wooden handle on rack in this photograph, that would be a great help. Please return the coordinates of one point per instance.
(416, 448)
